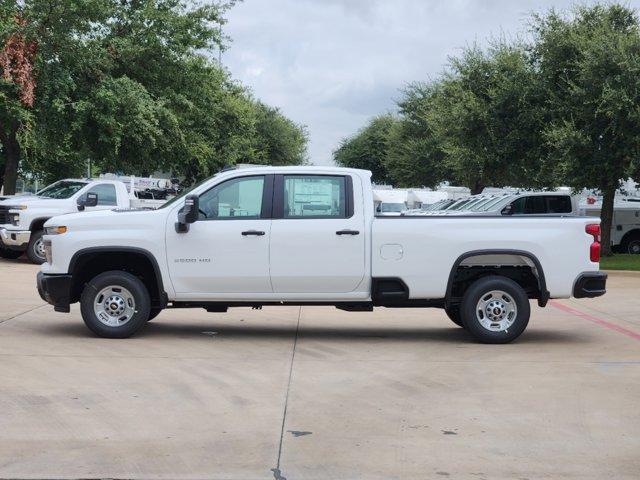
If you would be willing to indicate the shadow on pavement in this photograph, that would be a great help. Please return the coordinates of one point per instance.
(180, 329)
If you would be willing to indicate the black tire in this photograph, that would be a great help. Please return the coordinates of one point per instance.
(10, 254)
(453, 312)
(35, 252)
(130, 288)
(502, 328)
(631, 244)
(153, 313)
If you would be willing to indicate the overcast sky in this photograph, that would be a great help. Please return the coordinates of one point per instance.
(332, 64)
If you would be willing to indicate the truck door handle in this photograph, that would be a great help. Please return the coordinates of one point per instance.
(253, 232)
(347, 232)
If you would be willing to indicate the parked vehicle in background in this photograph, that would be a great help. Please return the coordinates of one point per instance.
(22, 217)
(309, 235)
(526, 203)
(390, 202)
(625, 226)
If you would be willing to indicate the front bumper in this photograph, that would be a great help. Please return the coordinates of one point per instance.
(14, 238)
(590, 284)
(56, 290)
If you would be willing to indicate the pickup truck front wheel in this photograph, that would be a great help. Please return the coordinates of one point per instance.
(115, 304)
(35, 248)
(495, 309)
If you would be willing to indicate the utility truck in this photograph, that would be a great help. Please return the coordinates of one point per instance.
(625, 224)
(309, 236)
(22, 217)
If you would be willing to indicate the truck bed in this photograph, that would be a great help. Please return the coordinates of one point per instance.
(420, 250)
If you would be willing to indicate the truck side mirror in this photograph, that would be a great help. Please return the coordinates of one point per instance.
(508, 210)
(88, 200)
(188, 214)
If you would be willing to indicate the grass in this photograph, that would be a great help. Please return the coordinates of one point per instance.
(621, 261)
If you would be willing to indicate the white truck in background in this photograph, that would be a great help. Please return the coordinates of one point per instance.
(309, 235)
(22, 217)
(625, 225)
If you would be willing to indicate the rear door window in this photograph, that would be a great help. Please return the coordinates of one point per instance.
(319, 196)
(559, 204)
(535, 205)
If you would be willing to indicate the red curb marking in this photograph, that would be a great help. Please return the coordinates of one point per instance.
(599, 321)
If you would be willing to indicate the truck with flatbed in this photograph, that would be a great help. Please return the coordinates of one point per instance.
(22, 217)
(309, 236)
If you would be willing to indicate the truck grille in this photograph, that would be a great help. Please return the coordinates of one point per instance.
(4, 215)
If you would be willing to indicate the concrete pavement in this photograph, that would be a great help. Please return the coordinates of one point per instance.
(316, 393)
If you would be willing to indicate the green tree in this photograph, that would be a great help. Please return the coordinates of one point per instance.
(589, 63)
(415, 154)
(368, 148)
(278, 140)
(129, 85)
(488, 121)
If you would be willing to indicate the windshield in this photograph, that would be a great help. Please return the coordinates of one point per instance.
(482, 206)
(435, 206)
(459, 204)
(497, 204)
(61, 190)
(392, 207)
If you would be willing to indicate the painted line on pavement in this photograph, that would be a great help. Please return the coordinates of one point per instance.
(599, 321)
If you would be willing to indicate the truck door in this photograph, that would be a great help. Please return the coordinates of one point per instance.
(317, 234)
(227, 249)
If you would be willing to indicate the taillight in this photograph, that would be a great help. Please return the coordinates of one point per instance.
(593, 229)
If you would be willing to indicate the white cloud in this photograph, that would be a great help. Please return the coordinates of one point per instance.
(332, 64)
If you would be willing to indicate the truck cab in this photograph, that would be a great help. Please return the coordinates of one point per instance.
(22, 218)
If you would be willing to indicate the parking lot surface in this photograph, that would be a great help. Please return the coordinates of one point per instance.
(317, 393)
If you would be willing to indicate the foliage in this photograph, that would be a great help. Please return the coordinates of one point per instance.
(415, 155)
(562, 108)
(368, 149)
(480, 124)
(486, 118)
(130, 85)
(589, 64)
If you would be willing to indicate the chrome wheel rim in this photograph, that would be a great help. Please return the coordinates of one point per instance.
(114, 306)
(496, 311)
(38, 248)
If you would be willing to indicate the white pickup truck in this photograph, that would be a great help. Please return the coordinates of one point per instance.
(309, 236)
(22, 217)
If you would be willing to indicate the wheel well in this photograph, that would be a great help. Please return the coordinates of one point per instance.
(629, 235)
(37, 224)
(87, 265)
(520, 267)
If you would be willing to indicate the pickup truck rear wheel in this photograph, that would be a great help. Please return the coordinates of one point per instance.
(453, 312)
(35, 249)
(115, 304)
(495, 309)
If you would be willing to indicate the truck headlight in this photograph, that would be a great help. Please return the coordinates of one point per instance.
(47, 251)
(55, 230)
(14, 218)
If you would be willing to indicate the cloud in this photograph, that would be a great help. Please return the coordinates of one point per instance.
(332, 64)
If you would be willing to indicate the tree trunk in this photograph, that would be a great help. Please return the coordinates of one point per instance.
(606, 218)
(12, 160)
(477, 187)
